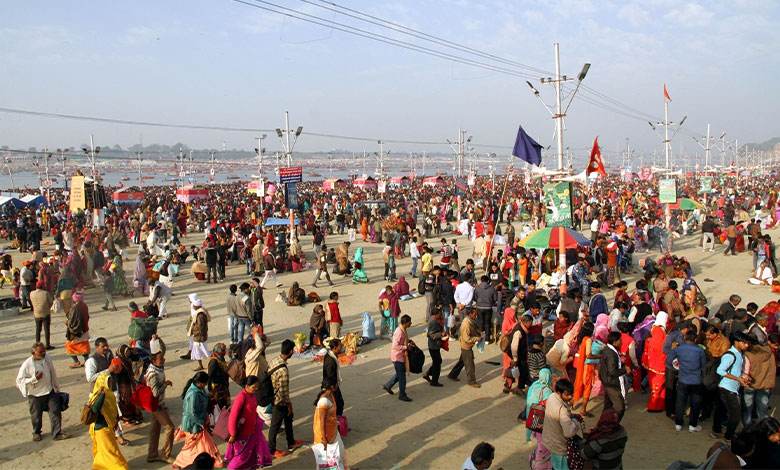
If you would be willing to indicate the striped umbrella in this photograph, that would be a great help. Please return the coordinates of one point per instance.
(549, 238)
(686, 204)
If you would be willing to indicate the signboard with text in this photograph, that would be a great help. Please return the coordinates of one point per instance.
(291, 195)
(557, 199)
(77, 197)
(705, 185)
(667, 191)
(293, 174)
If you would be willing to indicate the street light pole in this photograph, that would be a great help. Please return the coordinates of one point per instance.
(288, 147)
(138, 160)
(560, 110)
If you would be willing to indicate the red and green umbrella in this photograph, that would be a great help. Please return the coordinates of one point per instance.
(686, 204)
(550, 238)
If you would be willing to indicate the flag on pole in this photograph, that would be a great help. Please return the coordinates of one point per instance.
(595, 164)
(666, 93)
(526, 148)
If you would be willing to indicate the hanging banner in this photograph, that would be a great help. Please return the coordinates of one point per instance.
(705, 185)
(293, 174)
(291, 196)
(667, 191)
(381, 186)
(557, 199)
(77, 196)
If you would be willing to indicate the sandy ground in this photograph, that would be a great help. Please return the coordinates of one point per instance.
(438, 430)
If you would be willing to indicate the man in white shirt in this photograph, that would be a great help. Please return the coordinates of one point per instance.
(481, 457)
(464, 295)
(37, 380)
(415, 254)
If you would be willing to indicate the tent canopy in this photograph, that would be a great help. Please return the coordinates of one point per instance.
(272, 221)
(18, 203)
(34, 200)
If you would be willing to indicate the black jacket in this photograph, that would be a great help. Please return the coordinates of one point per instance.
(609, 373)
(330, 368)
(435, 331)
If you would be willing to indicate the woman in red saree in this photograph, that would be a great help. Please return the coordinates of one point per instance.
(654, 361)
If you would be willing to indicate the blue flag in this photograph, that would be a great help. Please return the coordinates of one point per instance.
(526, 148)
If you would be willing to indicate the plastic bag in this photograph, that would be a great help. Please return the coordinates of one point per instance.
(328, 458)
(300, 342)
(56, 307)
(369, 328)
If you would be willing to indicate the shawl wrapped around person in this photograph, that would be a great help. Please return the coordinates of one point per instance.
(359, 273)
(391, 311)
(510, 320)
(538, 392)
(139, 275)
(606, 442)
(125, 383)
(654, 361)
(105, 448)
(197, 439)
(401, 287)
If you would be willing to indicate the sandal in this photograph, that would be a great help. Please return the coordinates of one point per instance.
(61, 437)
(76, 365)
(123, 441)
(36, 437)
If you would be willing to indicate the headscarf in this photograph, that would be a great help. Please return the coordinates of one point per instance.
(109, 409)
(601, 320)
(401, 287)
(510, 320)
(195, 300)
(601, 333)
(609, 424)
(77, 296)
(538, 391)
(392, 300)
(661, 319)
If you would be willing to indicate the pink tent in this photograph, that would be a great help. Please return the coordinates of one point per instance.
(365, 182)
(191, 192)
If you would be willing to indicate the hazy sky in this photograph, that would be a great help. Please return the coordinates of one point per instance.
(223, 63)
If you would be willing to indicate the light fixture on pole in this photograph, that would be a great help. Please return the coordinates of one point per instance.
(138, 156)
(666, 124)
(259, 151)
(284, 136)
(560, 110)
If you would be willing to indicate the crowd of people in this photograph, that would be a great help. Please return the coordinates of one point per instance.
(561, 341)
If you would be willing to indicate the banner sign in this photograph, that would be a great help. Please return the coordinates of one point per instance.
(293, 174)
(557, 199)
(705, 185)
(667, 191)
(291, 195)
(461, 184)
(381, 186)
(77, 196)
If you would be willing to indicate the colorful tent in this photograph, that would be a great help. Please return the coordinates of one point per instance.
(399, 181)
(125, 196)
(192, 192)
(18, 203)
(332, 183)
(433, 181)
(34, 200)
(365, 182)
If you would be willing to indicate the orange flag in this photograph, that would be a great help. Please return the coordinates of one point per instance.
(596, 163)
(666, 93)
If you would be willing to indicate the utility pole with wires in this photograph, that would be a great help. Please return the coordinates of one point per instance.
(181, 167)
(211, 171)
(380, 162)
(138, 156)
(666, 123)
(425, 160)
(259, 151)
(560, 111)
(724, 146)
(458, 147)
(47, 156)
(192, 168)
(706, 147)
(365, 157)
(91, 154)
(284, 136)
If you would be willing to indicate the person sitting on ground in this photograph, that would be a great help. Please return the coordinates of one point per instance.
(296, 296)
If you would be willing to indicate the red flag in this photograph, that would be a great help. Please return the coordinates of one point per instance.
(666, 93)
(595, 164)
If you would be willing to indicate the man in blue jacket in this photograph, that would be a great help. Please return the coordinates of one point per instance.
(730, 369)
(691, 360)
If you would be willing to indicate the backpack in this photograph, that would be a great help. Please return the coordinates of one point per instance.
(265, 393)
(709, 375)
(706, 465)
